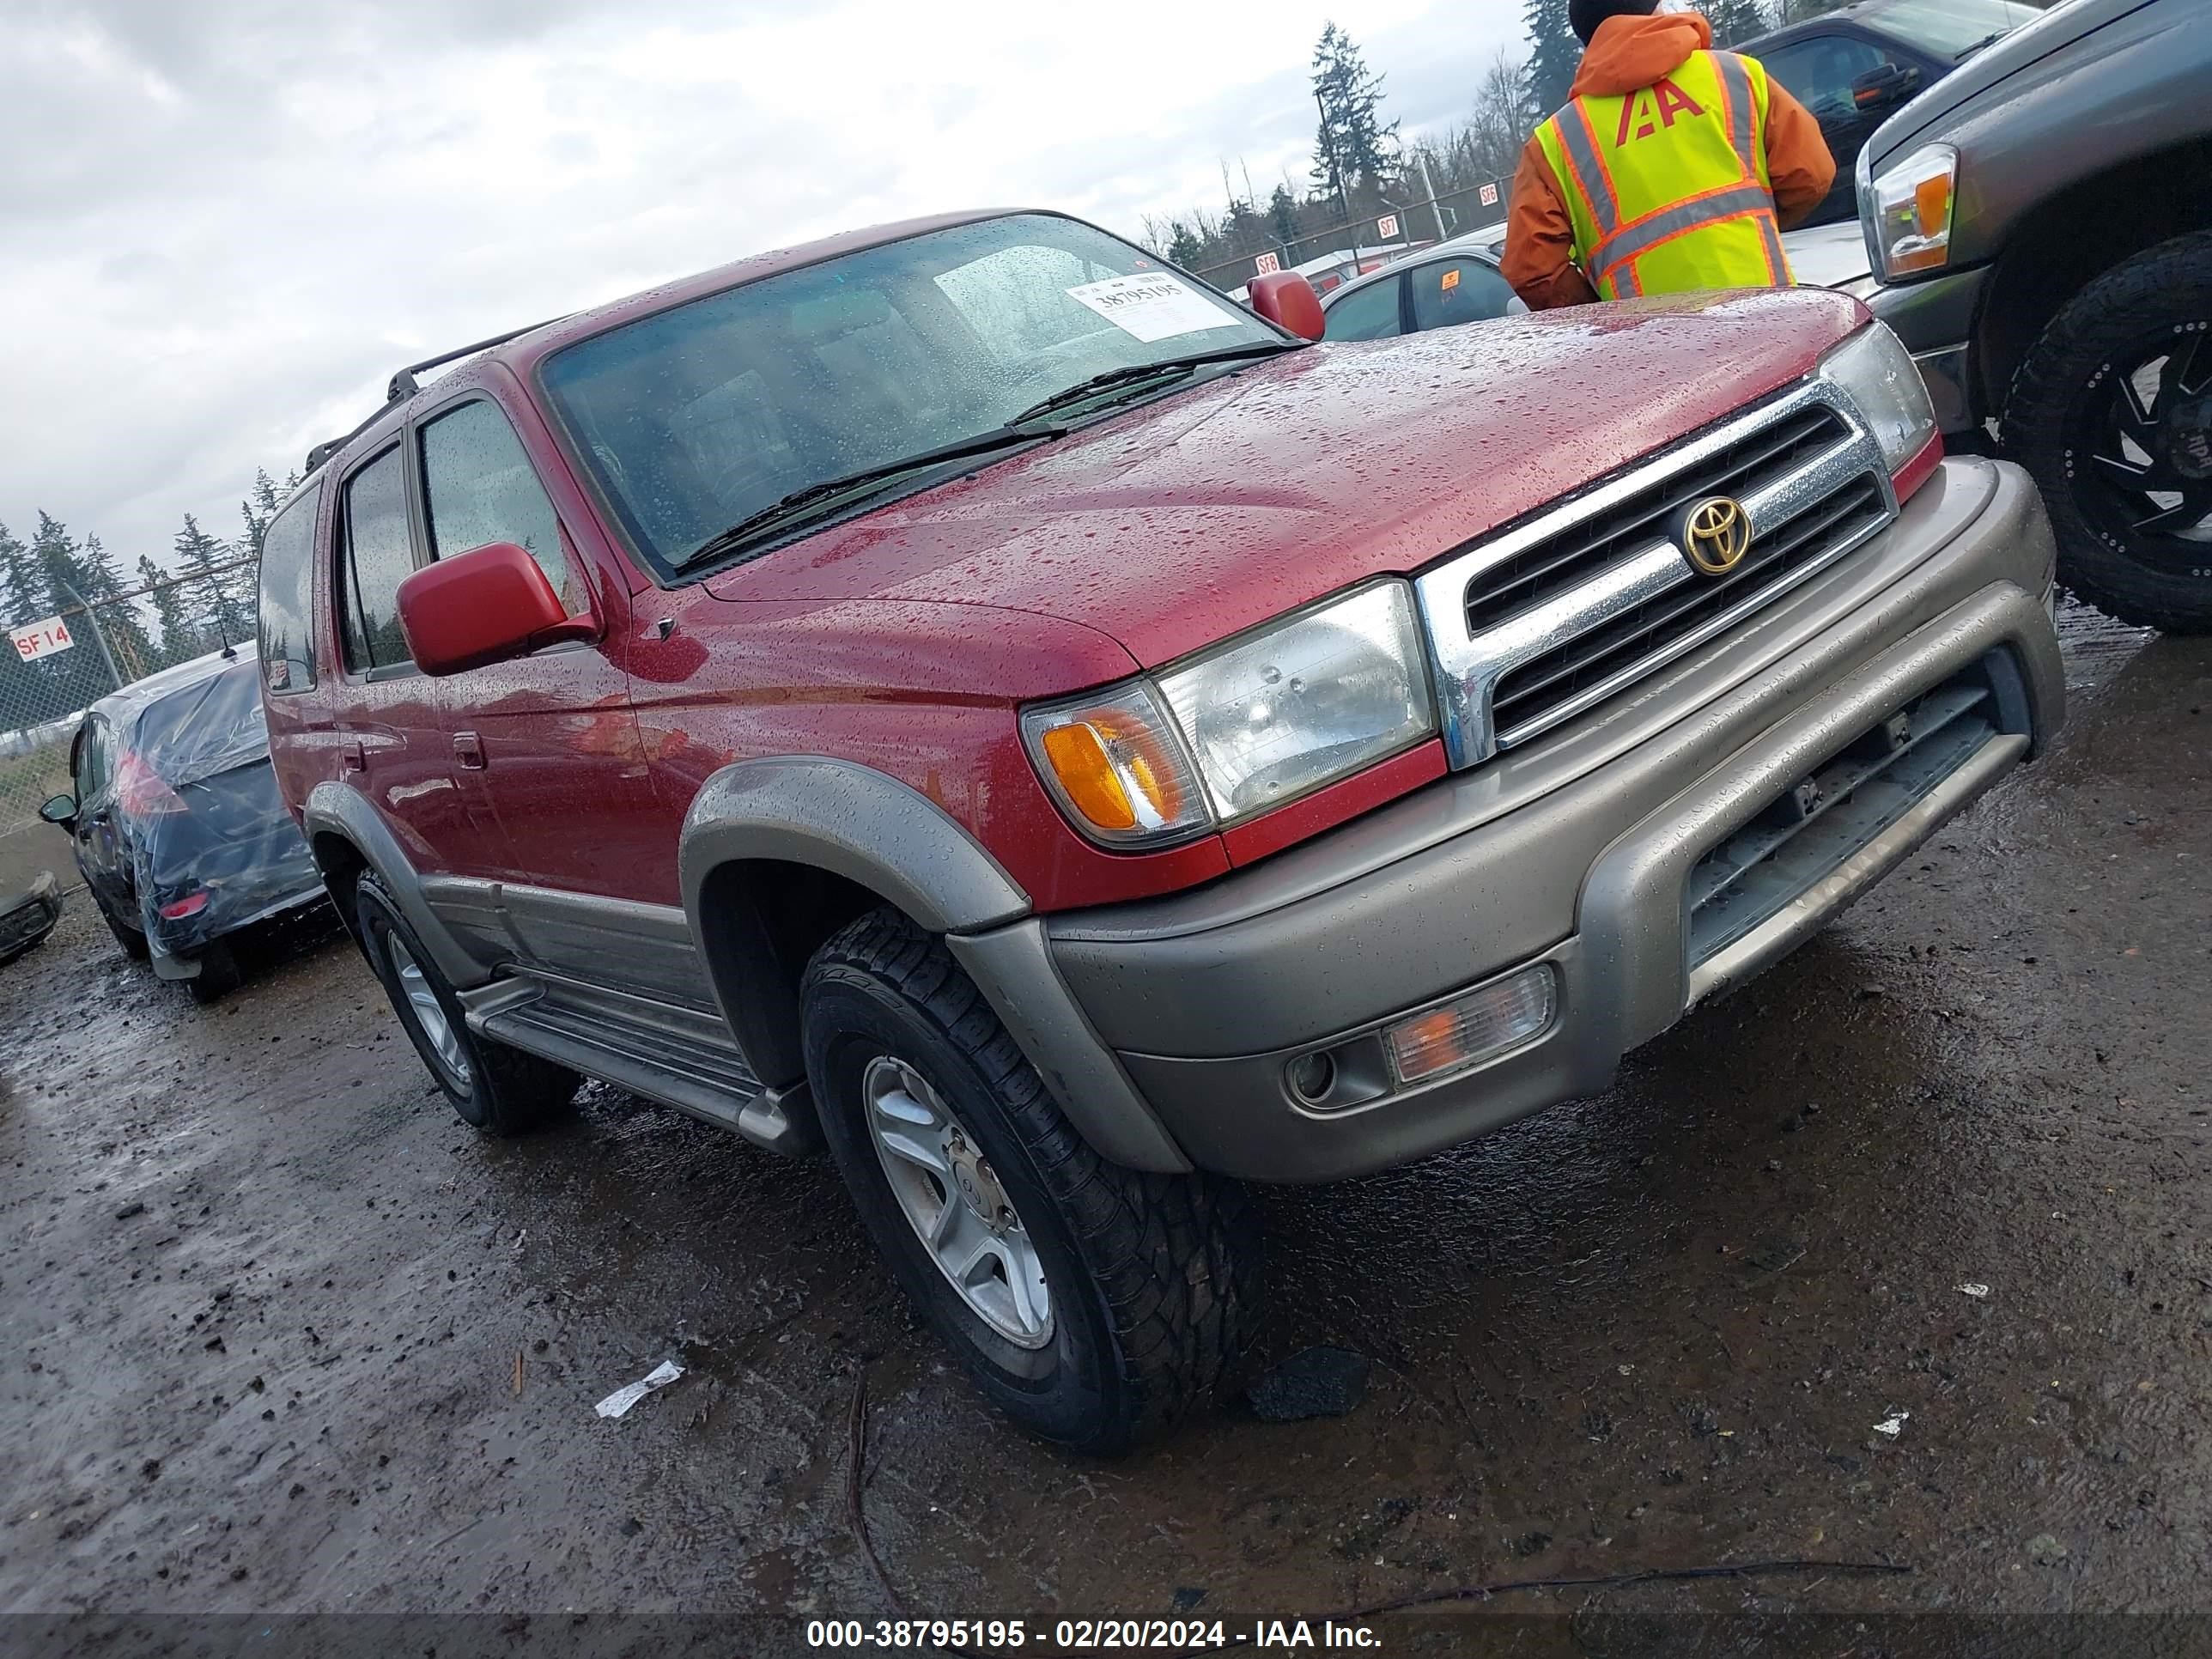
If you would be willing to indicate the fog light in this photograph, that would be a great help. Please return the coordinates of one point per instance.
(1311, 1077)
(1469, 1029)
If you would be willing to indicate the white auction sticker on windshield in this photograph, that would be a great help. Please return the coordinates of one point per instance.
(1153, 305)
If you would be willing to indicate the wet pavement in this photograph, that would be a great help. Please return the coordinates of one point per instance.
(279, 1333)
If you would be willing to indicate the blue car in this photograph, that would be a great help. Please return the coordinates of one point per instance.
(175, 820)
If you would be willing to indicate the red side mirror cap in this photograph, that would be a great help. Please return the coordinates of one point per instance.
(1288, 301)
(490, 605)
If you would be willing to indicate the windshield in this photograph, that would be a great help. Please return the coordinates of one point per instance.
(1944, 28)
(698, 418)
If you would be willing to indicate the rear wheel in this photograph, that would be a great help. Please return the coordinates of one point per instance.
(218, 975)
(1095, 1305)
(2112, 412)
(499, 1090)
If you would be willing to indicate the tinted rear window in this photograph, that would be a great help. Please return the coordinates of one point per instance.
(287, 633)
(202, 729)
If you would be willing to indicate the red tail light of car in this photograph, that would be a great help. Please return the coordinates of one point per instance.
(143, 792)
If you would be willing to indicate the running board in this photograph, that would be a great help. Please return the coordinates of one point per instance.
(673, 1055)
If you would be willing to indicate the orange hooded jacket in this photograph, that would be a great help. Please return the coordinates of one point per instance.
(1626, 54)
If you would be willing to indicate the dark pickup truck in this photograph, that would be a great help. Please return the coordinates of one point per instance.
(2041, 221)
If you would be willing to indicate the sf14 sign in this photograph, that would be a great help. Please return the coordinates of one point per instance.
(42, 638)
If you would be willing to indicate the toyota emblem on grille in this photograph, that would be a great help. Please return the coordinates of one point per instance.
(1716, 534)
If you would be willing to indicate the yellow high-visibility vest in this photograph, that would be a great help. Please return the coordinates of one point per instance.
(1666, 185)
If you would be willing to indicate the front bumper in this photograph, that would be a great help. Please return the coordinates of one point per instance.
(29, 914)
(1575, 852)
(1935, 320)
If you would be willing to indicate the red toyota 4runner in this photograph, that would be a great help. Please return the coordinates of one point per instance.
(968, 695)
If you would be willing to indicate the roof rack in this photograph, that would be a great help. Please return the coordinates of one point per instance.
(404, 386)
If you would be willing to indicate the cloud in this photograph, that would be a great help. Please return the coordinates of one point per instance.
(227, 221)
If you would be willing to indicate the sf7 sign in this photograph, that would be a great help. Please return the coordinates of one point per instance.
(40, 639)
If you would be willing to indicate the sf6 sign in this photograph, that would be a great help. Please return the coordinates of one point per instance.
(40, 639)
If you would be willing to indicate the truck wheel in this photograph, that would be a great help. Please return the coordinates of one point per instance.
(2112, 412)
(1095, 1305)
(498, 1089)
(219, 974)
(130, 940)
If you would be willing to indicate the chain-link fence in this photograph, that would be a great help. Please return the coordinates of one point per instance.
(1334, 253)
(59, 665)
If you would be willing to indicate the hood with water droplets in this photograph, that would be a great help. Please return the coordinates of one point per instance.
(1177, 524)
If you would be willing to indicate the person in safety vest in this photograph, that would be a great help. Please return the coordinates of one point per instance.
(1671, 168)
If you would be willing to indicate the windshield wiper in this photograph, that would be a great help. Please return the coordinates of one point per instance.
(822, 498)
(1083, 391)
(1989, 40)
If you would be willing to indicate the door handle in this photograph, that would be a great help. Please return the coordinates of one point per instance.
(352, 757)
(468, 751)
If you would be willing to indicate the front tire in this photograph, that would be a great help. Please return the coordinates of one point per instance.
(1097, 1306)
(2111, 412)
(498, 1089)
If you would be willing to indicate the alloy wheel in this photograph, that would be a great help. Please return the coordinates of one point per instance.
(953, 1201)
(2140, 451)
(428, 1013)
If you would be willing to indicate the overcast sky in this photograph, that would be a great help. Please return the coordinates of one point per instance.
(224, 222)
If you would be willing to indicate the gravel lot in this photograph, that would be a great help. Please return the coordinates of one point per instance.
(278, 1334)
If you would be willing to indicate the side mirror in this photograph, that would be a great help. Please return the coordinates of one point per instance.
(60, 810)
(490, 605)
(1878, 89)
(1288, 301)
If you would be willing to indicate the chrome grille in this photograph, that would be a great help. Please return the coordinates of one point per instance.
(1552, 615)
(1504, 591)
(1619, 644)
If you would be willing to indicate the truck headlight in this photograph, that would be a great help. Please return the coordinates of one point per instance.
(1250, 725)
(1877, 374)
(1906, 213)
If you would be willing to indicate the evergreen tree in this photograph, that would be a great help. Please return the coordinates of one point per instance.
(120, 619)
(1184, 248)
(26, 697)
(22, 589)
(180, 630)
(224, 616)
(1736, 20)
(1282, 217)
(259, 507)
(1554, 54)
(1353, 149)
(72, 581)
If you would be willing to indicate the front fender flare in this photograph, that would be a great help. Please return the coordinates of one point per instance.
(881, 834)
(853, 822)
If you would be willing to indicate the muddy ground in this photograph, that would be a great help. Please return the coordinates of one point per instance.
(278, 1334)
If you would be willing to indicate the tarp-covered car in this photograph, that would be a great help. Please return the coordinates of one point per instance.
(176, 821)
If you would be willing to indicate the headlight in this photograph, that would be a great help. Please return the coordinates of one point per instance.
(1874, 370)
(1908, 213)
(1262, 722)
